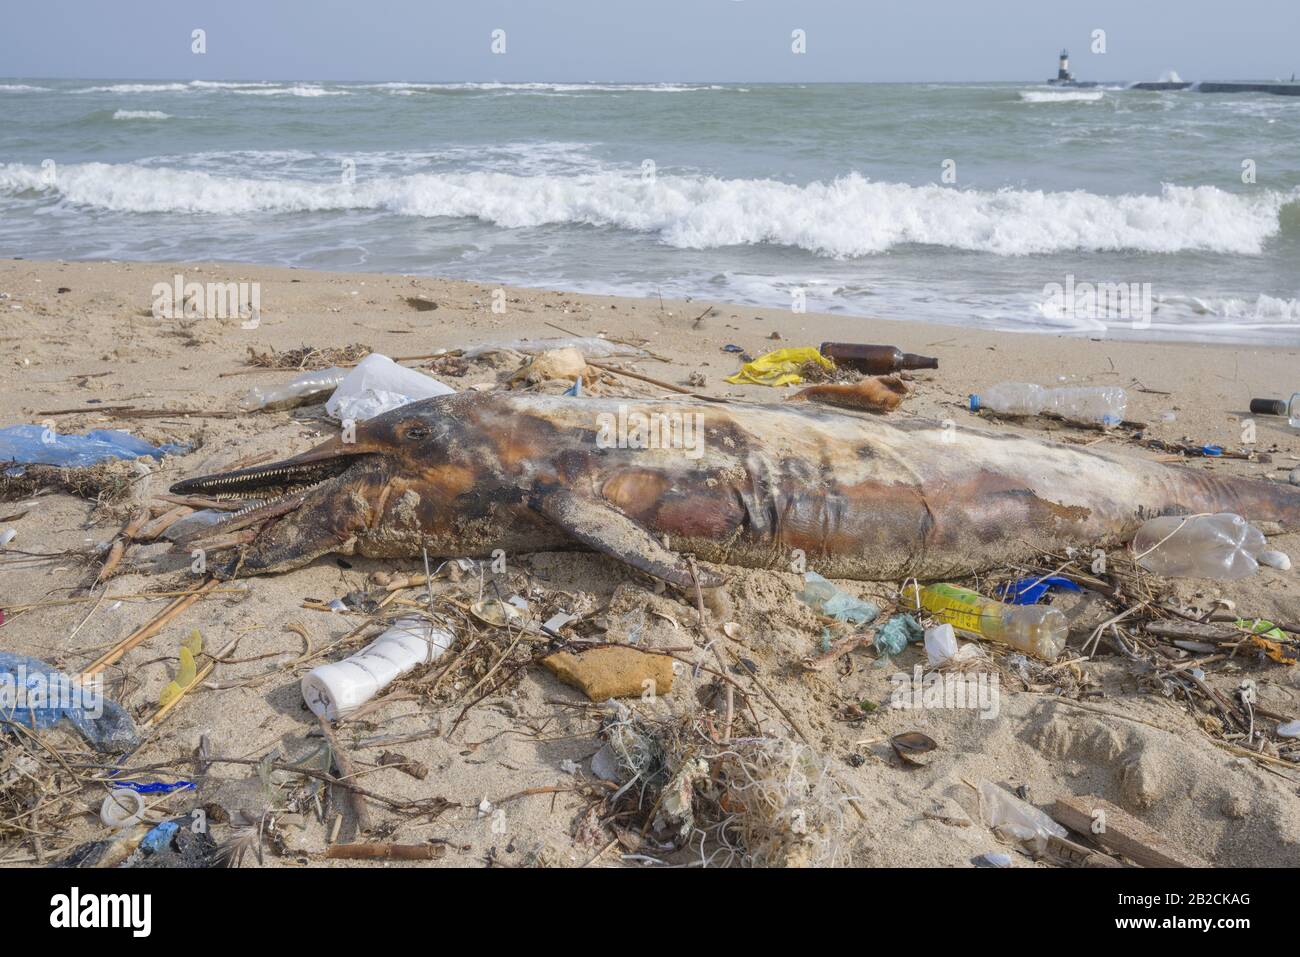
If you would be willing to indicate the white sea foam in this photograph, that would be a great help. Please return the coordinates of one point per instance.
(406, 89)
(218, 86)
(22, 88)
(135, 88)
(229, 84)
(849, 216)
(299, 89)
(141, 115)
(1061, 96)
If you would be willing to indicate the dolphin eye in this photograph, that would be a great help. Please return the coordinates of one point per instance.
(418, 432)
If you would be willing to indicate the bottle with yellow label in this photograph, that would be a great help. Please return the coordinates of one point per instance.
(1037, 630)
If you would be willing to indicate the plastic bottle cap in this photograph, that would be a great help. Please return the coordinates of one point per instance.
(974, 403)
(1268, 406)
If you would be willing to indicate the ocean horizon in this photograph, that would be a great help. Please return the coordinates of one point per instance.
(968, 204)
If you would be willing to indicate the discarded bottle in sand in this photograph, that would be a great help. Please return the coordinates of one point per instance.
(335, 689)
(875, 360)
(1090, 405)
(1290, 408)
(1223, 546)
(310, 387)
(1038, 630)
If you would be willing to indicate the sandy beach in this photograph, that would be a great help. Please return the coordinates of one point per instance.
(513, 768)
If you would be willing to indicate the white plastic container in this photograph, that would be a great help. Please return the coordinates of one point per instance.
(1222, 546)
(334, 690)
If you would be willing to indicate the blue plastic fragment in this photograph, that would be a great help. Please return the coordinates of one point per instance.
(156, 787)
(1211, 450)
(1030, 591)
(36, 445)
(575, 389)
(160, 838)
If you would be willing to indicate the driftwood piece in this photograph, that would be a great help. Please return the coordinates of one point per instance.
(347, 772)
(1119, 831)
(386, 852)
(1202, 631)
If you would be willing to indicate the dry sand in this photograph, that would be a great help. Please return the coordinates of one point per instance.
(97, 343)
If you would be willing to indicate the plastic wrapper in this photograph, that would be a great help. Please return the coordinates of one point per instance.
(378, 385)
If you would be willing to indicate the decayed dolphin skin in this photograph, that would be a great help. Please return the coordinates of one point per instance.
(859, 496)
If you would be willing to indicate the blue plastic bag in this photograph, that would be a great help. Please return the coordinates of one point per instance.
(37, 696)
(894, 635)
(1030, 591)
(36, 445)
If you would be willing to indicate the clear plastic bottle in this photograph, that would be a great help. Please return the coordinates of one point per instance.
(1037, 630)
(309, 387)
(1222, 546)
(1092, 405)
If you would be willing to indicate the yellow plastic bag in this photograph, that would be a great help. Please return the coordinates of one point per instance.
(781, 367)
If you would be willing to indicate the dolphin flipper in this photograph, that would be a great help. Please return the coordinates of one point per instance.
(602, 527)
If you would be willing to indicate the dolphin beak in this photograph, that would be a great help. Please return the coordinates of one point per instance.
(325, 461)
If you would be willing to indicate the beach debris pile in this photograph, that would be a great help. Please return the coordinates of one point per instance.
(697, 753)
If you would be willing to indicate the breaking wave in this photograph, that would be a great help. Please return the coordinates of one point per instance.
(1061, 96)
(141, 115)
(846, 217)
(406, 89)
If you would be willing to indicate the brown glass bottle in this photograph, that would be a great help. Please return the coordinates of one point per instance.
(875, 360)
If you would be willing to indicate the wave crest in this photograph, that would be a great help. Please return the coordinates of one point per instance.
(846, 217)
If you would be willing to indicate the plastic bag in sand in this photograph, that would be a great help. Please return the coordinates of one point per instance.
(377, 385)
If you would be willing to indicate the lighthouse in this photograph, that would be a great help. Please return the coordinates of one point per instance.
(1063, 74)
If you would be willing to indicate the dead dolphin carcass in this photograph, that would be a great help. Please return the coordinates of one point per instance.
(730, 483)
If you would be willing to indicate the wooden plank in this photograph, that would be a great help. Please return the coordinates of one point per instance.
(1121, 832)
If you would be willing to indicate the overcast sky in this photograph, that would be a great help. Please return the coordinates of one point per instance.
(649, 40)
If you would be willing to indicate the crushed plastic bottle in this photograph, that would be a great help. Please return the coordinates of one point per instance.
(591, 346)
(1090, 405)
(1014, 819)
(1038, 630)
(825, 599)
(1223, 547)
(308, 387)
